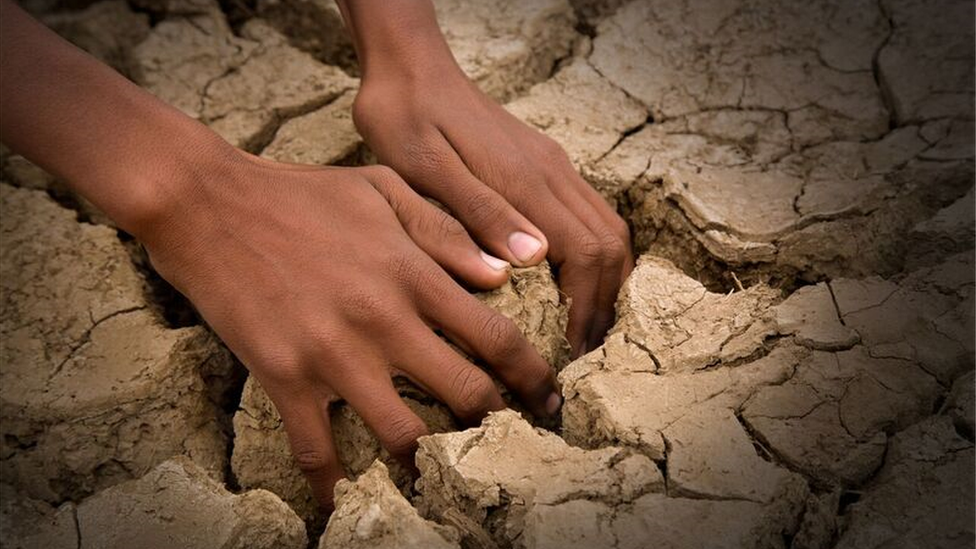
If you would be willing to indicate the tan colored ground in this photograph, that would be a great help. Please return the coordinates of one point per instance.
(792, 363)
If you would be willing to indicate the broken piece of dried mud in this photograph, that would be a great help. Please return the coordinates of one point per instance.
(372, 513)
(529, 489)
(581, 110)
(926, 318)
(682, 325)
(679, 58)
(961, 404)
(506, 467)
(815, 383)
(262, 456)
(922, 497)
(947, 232)
(241, 86)
(836, 209)
(262, 459)
(504, 46)
(926, 65)
(176, 504)
(27, 523)
(313, 26)
(107, 30)
(94, 389)
(782, 164)
(831, 419)
(324, 136)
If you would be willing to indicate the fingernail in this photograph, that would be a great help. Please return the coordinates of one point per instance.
(523, 246)
(494, 262)
(553, 403)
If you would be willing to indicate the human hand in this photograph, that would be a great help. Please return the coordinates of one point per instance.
(318, 280)
(513, 188)
(502, 179)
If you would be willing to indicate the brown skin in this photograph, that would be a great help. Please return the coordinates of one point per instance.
(321, 280)
(422, 116)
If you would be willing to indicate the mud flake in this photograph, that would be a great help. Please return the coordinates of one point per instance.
(95, 390)
(370, 512)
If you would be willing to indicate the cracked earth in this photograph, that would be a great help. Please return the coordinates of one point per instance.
(792, 364)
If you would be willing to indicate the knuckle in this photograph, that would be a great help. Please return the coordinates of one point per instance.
(484, 208)
(514, 165)
(589, 251)
(502, 337)
(403, 267)
(367, 308)
(384, 174)
(449, 227)
(441, 224)
(313, 462)
(422, 158)
(551, 151)
(367, 109)
(279, 366)
(541, 377)
(621, 230)
(401, 434)
(613, 248)
(474, 393)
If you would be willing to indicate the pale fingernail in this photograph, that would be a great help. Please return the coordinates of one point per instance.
(523, 246)
(494, 262)
(553, 403)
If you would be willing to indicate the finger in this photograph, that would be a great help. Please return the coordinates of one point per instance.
(309, 429)
(549, 149)
(578, 255)
(577, 233)
(438, 234)
(496, 340)
(490, 219)
(432, 364)
(395, 425)
(616, 223)
(611, 254)
(580, 278)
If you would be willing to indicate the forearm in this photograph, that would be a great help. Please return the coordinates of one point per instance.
(399, 37)
(111, 141)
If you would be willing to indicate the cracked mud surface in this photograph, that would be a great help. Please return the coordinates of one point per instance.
(792, 363)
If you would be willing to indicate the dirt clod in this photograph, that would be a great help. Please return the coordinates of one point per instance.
(177, 504)
(94, 389)
(371, 513)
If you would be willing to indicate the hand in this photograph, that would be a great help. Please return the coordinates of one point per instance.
(513, 188)
(313, 278)
(506, 182)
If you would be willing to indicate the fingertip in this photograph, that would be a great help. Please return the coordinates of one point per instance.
(577, 342)
(553, 403)
(498, 270)
(526, 248)
(485, 272)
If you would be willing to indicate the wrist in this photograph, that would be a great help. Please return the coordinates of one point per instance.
(164, 188)
(398, 40)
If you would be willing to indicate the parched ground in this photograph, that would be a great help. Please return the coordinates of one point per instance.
(792, 364)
